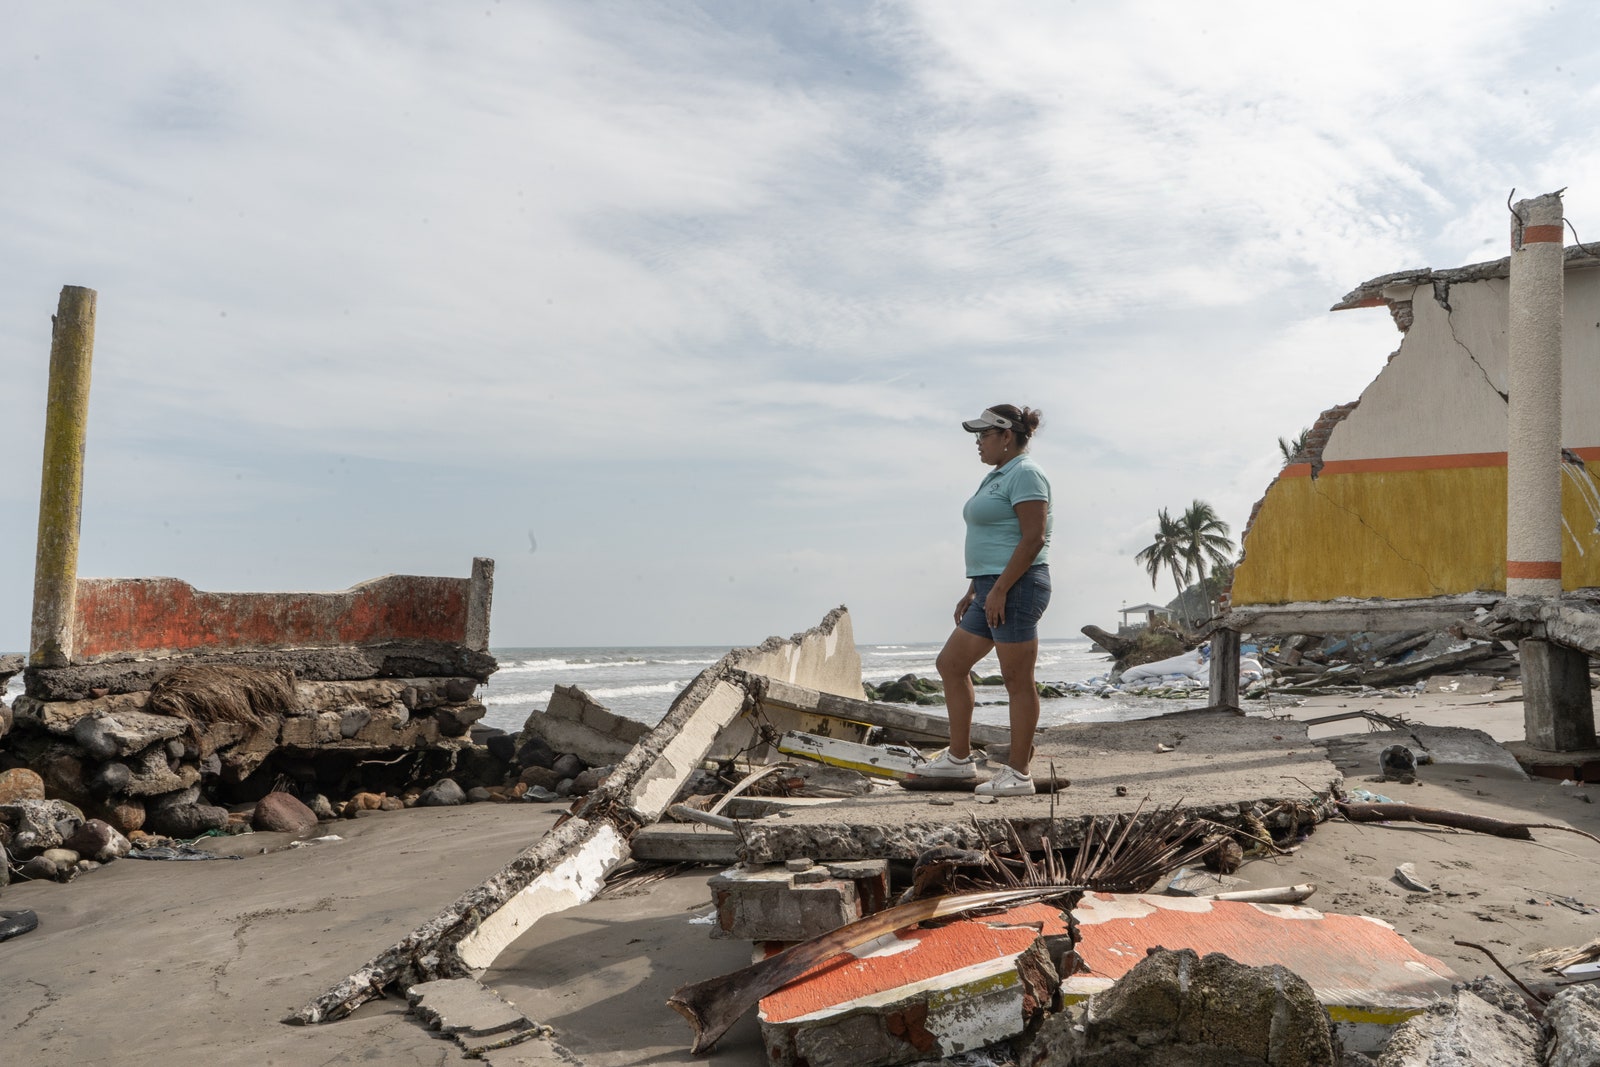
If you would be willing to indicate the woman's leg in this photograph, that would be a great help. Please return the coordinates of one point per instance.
(960, 654)
(1017, 660)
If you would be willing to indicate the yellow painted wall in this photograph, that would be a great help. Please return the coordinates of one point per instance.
(1397, 534)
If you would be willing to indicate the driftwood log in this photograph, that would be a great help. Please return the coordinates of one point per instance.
(1458, 820)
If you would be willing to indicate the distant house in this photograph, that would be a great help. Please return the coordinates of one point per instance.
(1149, 611)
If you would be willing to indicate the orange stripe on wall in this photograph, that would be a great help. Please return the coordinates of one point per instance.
(1519, 569)
(1535, 235)
(1386, 464)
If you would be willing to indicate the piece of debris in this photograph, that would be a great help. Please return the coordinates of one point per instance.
(1164, 748)
(1406, 875)
(1483, 1022)
(1366, 975)
(472, 1014)
(882, 761)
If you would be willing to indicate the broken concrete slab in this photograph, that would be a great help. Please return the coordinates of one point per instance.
(784, 904)
(575, 722)
(684, 843)
(1461, 685)
(917, 994)
(1221, 765)
(1479, 1023)
(472, 1014)
(108, 735)
(1442, 745)
(1368, 977)
(907, 725)
(1572, 1027)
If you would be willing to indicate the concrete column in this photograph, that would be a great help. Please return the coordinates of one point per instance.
(480, 597)
(1533, 461)
(1557, 706)
(55, 569)
(1225, 668)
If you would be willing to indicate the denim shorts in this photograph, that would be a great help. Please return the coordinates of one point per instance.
(1025, 604)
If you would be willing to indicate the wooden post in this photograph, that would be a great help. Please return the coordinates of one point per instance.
(55, 570)
(1557, 706)
(1225, 668)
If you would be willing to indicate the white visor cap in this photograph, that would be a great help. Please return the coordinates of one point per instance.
(989, 420)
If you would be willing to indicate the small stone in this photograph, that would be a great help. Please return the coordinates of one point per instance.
(389, 803)
(282, 813)
(61, 857)
(587, 781)
(801, 863)
(443, 793)
(322, 808)
(211, 766)
(40, 869)
(478, 794)
(534, 752)
(502, 746)
(519, 789)
(812, 876)
(111, 779)
(20, 784)
(368, 801)
(98, 840)
(410, 799)
(984, 798)
(942, 802)
(564, 787)
(85, 866)
(179, 798)
(567, 765)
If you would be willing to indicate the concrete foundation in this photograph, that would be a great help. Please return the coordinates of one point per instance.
(1558, 706)
(1220, 765)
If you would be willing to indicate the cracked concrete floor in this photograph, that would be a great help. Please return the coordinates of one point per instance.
(197, 963)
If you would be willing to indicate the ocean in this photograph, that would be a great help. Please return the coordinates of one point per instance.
(641, 682)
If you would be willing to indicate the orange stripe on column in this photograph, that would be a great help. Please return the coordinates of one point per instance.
(1535, 235)
(1519, 569)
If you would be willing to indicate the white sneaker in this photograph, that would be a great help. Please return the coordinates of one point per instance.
(1007, 782)
(947, 766)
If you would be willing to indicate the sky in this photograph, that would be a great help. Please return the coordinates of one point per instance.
(673, 308)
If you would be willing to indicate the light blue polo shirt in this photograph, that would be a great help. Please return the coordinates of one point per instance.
(992, 526)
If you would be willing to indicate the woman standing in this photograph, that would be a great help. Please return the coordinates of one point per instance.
(1007, 555)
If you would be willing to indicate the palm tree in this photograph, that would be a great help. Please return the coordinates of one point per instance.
(1166, 551)
(1203, 539)
(1291, 449)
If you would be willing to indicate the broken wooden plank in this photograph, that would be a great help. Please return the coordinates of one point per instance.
(880, 761)
(1349, 615)
(930, 728)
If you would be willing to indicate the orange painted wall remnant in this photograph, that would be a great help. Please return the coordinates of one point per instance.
(119, 618)
(1403, 494)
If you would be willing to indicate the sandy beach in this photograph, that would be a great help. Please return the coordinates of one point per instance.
(177, 963)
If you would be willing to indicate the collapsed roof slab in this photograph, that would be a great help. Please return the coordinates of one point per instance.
(1220, 765)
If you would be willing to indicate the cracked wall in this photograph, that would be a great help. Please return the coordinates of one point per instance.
(1410, 497)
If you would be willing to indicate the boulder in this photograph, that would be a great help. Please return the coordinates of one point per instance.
(126, 814)
(588, 780)
(1176, 1007)
(568, 765)
(501, 745)
(98, 840)
(442, 793)
(533, 751)
(456, 719)
(543, 777)
(179, 798)
(1572, 1027)
(20, 784)
(112, 779)
(282, 813)
(64, 778)
(478, 794)
(576, 722)
(40, 824)
(188, 820)
(152, 776)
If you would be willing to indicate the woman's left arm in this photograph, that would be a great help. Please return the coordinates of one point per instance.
(1031, 516)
